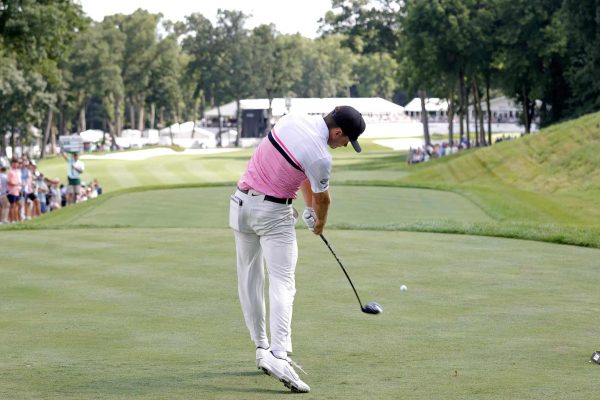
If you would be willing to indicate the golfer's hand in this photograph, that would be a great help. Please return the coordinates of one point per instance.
(310, 218)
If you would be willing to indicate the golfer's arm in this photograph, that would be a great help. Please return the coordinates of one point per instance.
(319, 202)
(321, 205)
(307, 193)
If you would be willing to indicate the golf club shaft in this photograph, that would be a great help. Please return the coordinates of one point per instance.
(343, 269)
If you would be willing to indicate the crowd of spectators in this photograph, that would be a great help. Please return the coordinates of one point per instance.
(427, 152)
(25, 193)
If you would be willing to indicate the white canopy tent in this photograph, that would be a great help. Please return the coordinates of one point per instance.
(92, 136)
(372, 108)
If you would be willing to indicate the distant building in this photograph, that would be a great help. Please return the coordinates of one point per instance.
(503, 109)
(255, 111)
(437, 109)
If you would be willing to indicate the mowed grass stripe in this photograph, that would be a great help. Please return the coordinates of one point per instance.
(209, 207)
(153, 313)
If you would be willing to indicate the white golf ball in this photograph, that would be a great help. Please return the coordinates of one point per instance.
(403, 288)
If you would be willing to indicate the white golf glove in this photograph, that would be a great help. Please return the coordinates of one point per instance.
(310, 218)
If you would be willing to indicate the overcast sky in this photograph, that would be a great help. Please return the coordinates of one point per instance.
(289, 16)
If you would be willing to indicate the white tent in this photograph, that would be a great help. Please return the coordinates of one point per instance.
(92, 135)
(432, 104)
(228, 110)
(372, 108)
(150, 137)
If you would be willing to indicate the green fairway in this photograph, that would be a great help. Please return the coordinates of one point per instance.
(153, 313)
(164, 170)
(208, 207)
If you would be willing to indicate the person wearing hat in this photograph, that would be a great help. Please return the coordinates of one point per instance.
(295, 155)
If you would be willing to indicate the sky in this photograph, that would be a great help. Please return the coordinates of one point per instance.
(289, 16)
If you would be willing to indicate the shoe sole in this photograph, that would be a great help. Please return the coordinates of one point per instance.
(288, 384)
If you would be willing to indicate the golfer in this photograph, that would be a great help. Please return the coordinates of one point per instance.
(293, 156)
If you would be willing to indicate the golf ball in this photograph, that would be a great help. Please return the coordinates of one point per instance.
(403, 288)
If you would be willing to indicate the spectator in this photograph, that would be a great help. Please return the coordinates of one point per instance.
(42, 190)
(14, 189)
(32, 201)
(97, 186)
(54, 197)
(26, 188)
(93, 189)
(437, 152)
(4, 204)
(63, 195)
(83, 193)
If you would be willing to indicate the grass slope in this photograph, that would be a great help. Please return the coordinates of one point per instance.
(550, 176)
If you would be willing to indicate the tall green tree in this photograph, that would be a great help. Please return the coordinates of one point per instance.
(580, 25)
(275, 65)
(237, 63)
(34, 38)
(165, 87)
(326, 67)
(93, 71)
(376, 74)
(368, 26)
(528, 42)
(200, 44)
(141, 37)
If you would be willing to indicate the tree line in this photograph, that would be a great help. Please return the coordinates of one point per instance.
(62, 72)
(542, 53)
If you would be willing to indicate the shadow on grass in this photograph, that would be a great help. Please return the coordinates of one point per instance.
(238, 389)
(212, 382)
(246, 383)
(231, 373)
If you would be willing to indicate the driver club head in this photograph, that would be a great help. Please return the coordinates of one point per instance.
(372, 308)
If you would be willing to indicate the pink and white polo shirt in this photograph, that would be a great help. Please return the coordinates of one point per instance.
(295, 149)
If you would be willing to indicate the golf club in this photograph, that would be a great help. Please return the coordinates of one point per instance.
(370, 308)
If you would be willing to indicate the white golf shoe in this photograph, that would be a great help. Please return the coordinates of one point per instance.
(260, 354)
(283, 370)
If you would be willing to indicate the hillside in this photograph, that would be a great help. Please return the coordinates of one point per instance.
(552, 176)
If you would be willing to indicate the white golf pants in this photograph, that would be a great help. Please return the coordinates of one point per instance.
(265, 230)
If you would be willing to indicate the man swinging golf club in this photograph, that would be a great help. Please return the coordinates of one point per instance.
(294, 155)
